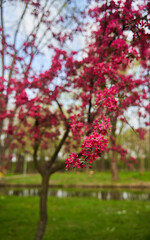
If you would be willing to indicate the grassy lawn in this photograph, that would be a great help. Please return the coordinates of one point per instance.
(75, 218)
(81, 178)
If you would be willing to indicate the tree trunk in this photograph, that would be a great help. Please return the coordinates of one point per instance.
(142, 166)
(19, 164)
(114, 168)
(43, 209)
(102, 164)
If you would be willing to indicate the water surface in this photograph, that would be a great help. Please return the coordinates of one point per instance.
(90, 193)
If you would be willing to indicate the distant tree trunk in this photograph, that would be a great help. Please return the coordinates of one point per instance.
(102, 164)
(114, 168)
(142, 166)
(43, 208)
(19, 164)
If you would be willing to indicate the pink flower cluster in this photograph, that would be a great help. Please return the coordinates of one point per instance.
(76, 126)
(94, 144)
(107, 99)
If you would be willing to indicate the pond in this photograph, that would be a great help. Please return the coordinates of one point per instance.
(101, 194)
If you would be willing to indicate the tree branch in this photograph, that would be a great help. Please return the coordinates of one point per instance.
(15, 39)
(37, 27)
(58, 13)
(36, 147)
(36, 163)
(57, 167)
(53, 158)
(61, 110)
(3, 37)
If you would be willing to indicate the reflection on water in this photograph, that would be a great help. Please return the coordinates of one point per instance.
(61, 193)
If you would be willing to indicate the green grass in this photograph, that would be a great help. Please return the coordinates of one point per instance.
(73, 218)
(81, 178)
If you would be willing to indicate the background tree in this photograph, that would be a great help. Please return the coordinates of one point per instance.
(136, 146)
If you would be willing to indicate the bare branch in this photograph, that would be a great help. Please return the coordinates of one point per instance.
(131, 127)
(37, 27)
(3, 37)
(61, 110)
(26, 71)
(58, 13)
(19, 23)
(15, 39)
(41, 19)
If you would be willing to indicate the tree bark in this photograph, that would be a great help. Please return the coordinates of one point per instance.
(114, 168)
(43, 208)
(142, 165)
(19, 164)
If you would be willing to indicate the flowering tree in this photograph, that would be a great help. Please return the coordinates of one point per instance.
(73, 103)
(119, 40)
(139, 147)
